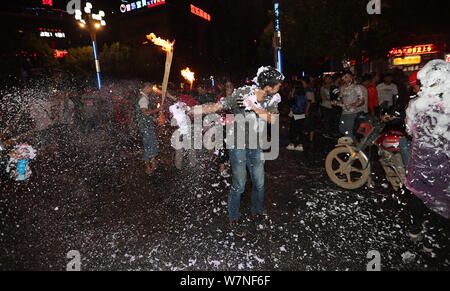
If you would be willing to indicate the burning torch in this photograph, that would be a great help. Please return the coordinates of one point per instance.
(167, 47)
(188, 75)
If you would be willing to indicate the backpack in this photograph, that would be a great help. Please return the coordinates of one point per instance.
(300, 104)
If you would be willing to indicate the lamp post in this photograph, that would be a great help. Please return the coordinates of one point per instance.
(92, 22)
(277, 38)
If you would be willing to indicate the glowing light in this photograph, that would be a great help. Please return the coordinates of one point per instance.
(411, 60)
(413, 50)
(97, 25)
(188, 75)
(156, 89)
(166, 45)
(140, 4)
(199, 12)
(60, 54)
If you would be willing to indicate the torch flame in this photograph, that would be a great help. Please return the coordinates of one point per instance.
(188, 75)
(165, 44)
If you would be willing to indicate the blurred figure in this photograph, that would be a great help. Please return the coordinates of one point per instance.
(147, 108)
(361, 111)
(90, 111)
(325, 105)
(427, 176)
(226, 89)
(351, 99)
(335, 113)
(387, 92)
(202, 94)
(368, 81)
(122, 111)
(311, 108)
(297, 129)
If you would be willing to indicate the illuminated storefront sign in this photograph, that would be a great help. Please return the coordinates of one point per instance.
(197, 11)
(413, 50)
(60, 54)
(140, 4)
(47, 2)
(51, 32)
(412, 60)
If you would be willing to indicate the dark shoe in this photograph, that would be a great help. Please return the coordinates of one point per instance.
(238, 228)
(415, 231)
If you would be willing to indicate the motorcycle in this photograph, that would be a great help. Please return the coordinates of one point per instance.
(349, 167)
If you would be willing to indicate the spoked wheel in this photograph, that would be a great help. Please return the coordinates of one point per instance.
(355, 176)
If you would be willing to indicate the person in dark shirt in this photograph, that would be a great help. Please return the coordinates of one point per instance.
(335, 111)
(201, 92)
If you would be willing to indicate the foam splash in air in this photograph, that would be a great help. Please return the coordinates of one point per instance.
(178, 111)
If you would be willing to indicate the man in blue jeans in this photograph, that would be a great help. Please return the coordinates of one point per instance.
(250, 103)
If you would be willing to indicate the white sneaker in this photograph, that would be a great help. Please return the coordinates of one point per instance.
(290, 147)
(299, 148)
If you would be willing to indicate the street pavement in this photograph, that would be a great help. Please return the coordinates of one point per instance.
(95, 198)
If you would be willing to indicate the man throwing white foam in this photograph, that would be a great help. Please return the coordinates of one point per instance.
(250, 104)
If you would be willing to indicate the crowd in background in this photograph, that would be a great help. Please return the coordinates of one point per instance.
(332, 105)
(335, 105)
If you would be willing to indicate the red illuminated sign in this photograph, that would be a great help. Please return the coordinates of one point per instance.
(60, 54)
(197, 11)
(413, 50)
(47, 2)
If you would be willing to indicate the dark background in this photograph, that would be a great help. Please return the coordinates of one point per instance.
(316, 34)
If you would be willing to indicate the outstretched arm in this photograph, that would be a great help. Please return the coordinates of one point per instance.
(205, 109)
(150, 111)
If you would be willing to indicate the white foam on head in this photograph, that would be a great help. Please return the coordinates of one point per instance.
(26, 150)
(260, 70)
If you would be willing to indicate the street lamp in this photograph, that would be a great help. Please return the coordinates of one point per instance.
(277, 37)
(92, 22)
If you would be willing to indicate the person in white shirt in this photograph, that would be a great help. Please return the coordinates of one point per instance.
(387, 92)
(351, 100)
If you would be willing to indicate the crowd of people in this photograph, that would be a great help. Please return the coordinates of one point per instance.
(332, 105)
(337, 104)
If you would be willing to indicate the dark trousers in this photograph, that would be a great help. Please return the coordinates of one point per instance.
(326, 118)
(297, 130)
(335, 117)
(419, 214)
